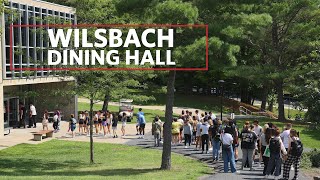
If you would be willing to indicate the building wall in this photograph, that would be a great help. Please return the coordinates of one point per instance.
(12, 82)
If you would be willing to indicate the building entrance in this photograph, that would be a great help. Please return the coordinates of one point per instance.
(11, 111)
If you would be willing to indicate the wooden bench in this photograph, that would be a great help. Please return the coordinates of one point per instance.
(38, 135)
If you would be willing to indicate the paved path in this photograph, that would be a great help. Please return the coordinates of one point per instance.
(217, 167)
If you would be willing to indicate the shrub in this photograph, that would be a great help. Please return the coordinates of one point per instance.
(315, 158)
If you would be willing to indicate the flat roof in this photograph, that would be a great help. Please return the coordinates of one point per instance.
(47, 5)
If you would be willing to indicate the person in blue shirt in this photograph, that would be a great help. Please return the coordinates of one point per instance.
(142, 123)
(137, 125)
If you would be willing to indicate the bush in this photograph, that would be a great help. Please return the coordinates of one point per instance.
(310, 159)
(315, 158)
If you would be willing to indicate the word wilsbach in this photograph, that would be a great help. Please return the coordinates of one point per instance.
(107, 46)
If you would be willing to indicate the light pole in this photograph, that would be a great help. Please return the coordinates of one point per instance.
(289, 107)
(221, 82)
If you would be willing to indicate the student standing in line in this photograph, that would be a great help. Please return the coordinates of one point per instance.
(285, 135)
(87, 123)
(96, 121)
(55, 122)
(257, 129)
(187, 131)
(104, 123)
(295, 150)
(276, 147)
(100, 119)
(204, 129)
(109, 120)
(157, 131)
(72, 124)
(215, 130)
(137, 125)
(81, 122)
(227, 151)
(175, 131)
(33, 113)
(198, 134)
(181, 121)
(45, 120)
(142, 125)
(124, 123)
(114, 125)
(248, 144)
(264, 142)
(22, 115)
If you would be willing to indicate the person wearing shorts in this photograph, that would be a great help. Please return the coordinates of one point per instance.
(81, 122)
(104, 123)
(138, 124)
(142, 125)
(86, 124)
(72, 124)
(96, 121)
(124, 123)
(101, 117)
(109, 117)
(114, 126)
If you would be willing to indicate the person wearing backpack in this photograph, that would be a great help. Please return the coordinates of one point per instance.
(72, 124)
(248, 141)
(215, 130)
(295, 150)
(227, 150)
(276, 147)
(157, 131)
(235, 135)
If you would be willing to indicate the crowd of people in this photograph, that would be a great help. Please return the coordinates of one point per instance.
(276, 151)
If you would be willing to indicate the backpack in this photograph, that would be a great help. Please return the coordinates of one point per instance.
(235, 134)
(157, 126)
(215, 133)
(274, 146)
(296, 148)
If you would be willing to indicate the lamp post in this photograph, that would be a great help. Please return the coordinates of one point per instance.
(221, 82)
(289, 107)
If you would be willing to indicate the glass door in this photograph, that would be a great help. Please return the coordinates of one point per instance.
(6, 112)
(11, 112)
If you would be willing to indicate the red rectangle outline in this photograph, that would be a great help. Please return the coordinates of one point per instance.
(114, 25)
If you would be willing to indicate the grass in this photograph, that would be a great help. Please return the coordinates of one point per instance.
(149, 113)
(58, 159)
(310, 138)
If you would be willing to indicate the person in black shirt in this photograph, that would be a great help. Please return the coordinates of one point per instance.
(248, 140)
(22, 115)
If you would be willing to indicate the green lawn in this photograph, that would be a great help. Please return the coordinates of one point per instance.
(310, 138)
(149, 114)
(58, 159)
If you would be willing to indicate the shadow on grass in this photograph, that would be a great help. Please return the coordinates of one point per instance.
(36, 167)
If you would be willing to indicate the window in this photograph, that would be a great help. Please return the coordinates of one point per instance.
(15, 5)
(44, 10)
(30, 8)
(7, 55)
(50, 11)
(7, 28)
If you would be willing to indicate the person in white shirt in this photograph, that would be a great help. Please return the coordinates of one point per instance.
(204, 129)
(257, 129)
(285, 135)
(55, 122)
(227, 150)
(213, 117)
(33, 112)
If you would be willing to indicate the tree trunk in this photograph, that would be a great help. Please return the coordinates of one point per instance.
(166, 152)
(91, 131)
(279, 87)
(264, 98)
(271, 103)
(106, 101)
